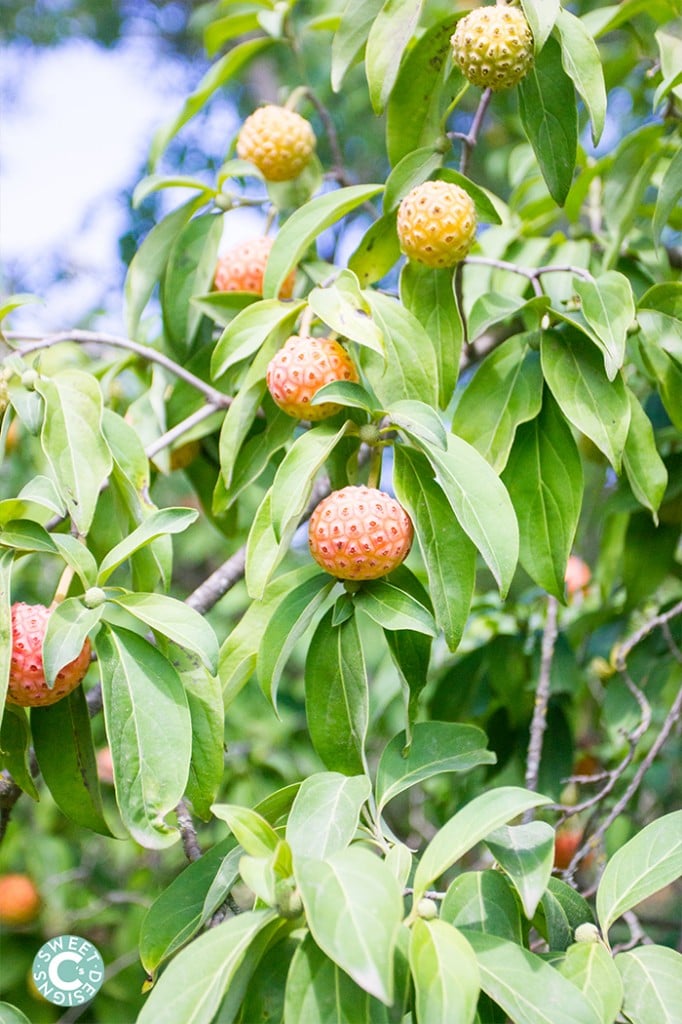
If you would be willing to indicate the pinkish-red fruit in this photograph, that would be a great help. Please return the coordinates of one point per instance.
(27, 685)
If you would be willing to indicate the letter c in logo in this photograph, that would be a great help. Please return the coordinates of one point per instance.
(55, 977)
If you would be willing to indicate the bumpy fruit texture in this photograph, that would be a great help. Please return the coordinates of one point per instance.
(242, 269)
(297, 372)
(27, 685)
(359, 533)
(19, 900)
(437, 224)
(278, 141)
(493, 47)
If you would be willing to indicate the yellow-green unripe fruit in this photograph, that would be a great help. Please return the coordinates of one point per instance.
(493, 47)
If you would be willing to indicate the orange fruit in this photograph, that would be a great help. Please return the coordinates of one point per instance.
(242, 269)
(301, 367)
(27, 685)
(278, 141)
(493, 47)
(359, 533)
(19, 900)
(437, 224)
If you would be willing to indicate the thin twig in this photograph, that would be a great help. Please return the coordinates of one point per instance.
(188, 832)
(539, 720)
(469, 141)
(179, 429)
(532, 273)
(623, 650)
(217, 398)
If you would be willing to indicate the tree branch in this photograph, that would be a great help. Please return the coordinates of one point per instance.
(539, 720)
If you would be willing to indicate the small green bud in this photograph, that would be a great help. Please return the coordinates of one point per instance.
(427, 909)
(29, 379)
(288, 899)
(94, 597)
(587, 932)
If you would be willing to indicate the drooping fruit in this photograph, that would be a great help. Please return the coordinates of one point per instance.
(301, 367)
(359, 533)
(578, 575)
(27, 684)
(437, 224)
(242, 269)
(278, 141)
(493, 47)
(19, 900)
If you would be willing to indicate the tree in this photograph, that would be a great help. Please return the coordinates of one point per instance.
(472, 782)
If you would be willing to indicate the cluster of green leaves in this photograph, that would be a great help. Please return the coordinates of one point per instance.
(543, 375)
(332, 938)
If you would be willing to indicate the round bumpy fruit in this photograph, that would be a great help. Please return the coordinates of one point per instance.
(298, 371)
(359, 533)
(27, 684)
(437, 224)
(242, 269)
(19, 900)
(493, 47)
(278, 141)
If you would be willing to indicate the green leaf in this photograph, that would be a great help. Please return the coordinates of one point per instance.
(424, 90)
(73, 442)
(346, 393)
(80, 558)
(377, 251)
(65, 635)
(410, 369)
(264, 551)
(645, 468)
(220, 72)
(659, 316)
(648, 862)
(153, 182)
(667, 371)
(430, 295)
(470, 825)
(26, 535)
(564, 910)
(15, 742)
(418, 420)
(11, 1015)
(354, 907)
(505, 391)
(652, 984)
(318, 992)
(175, 620)
(250, 329)
(541, 15)
(219, 961)
(62, 740)
(244, 408)
(288, 623)
(590, 967)
(449, 555)
(608, 306)
(669, 193)
(342, 306)
(526, 853)
(251, 830)
(483, 900)
(351, 36)
(158, 523)
(239, 652)
(435, 747)
(582, 62)
(147, 265)
(295, 476)
(336, 696)
(205, 703)
(388, 38)
(410, 653)
(394, 608)
(412, 170)
(629, 176)
(598, 407)
(189, 272)
(303, 227)
(527, 988)
(325, 814)
(141, 688)
(545, 481)
(549, 117)
(482, 505)
(445, 973)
